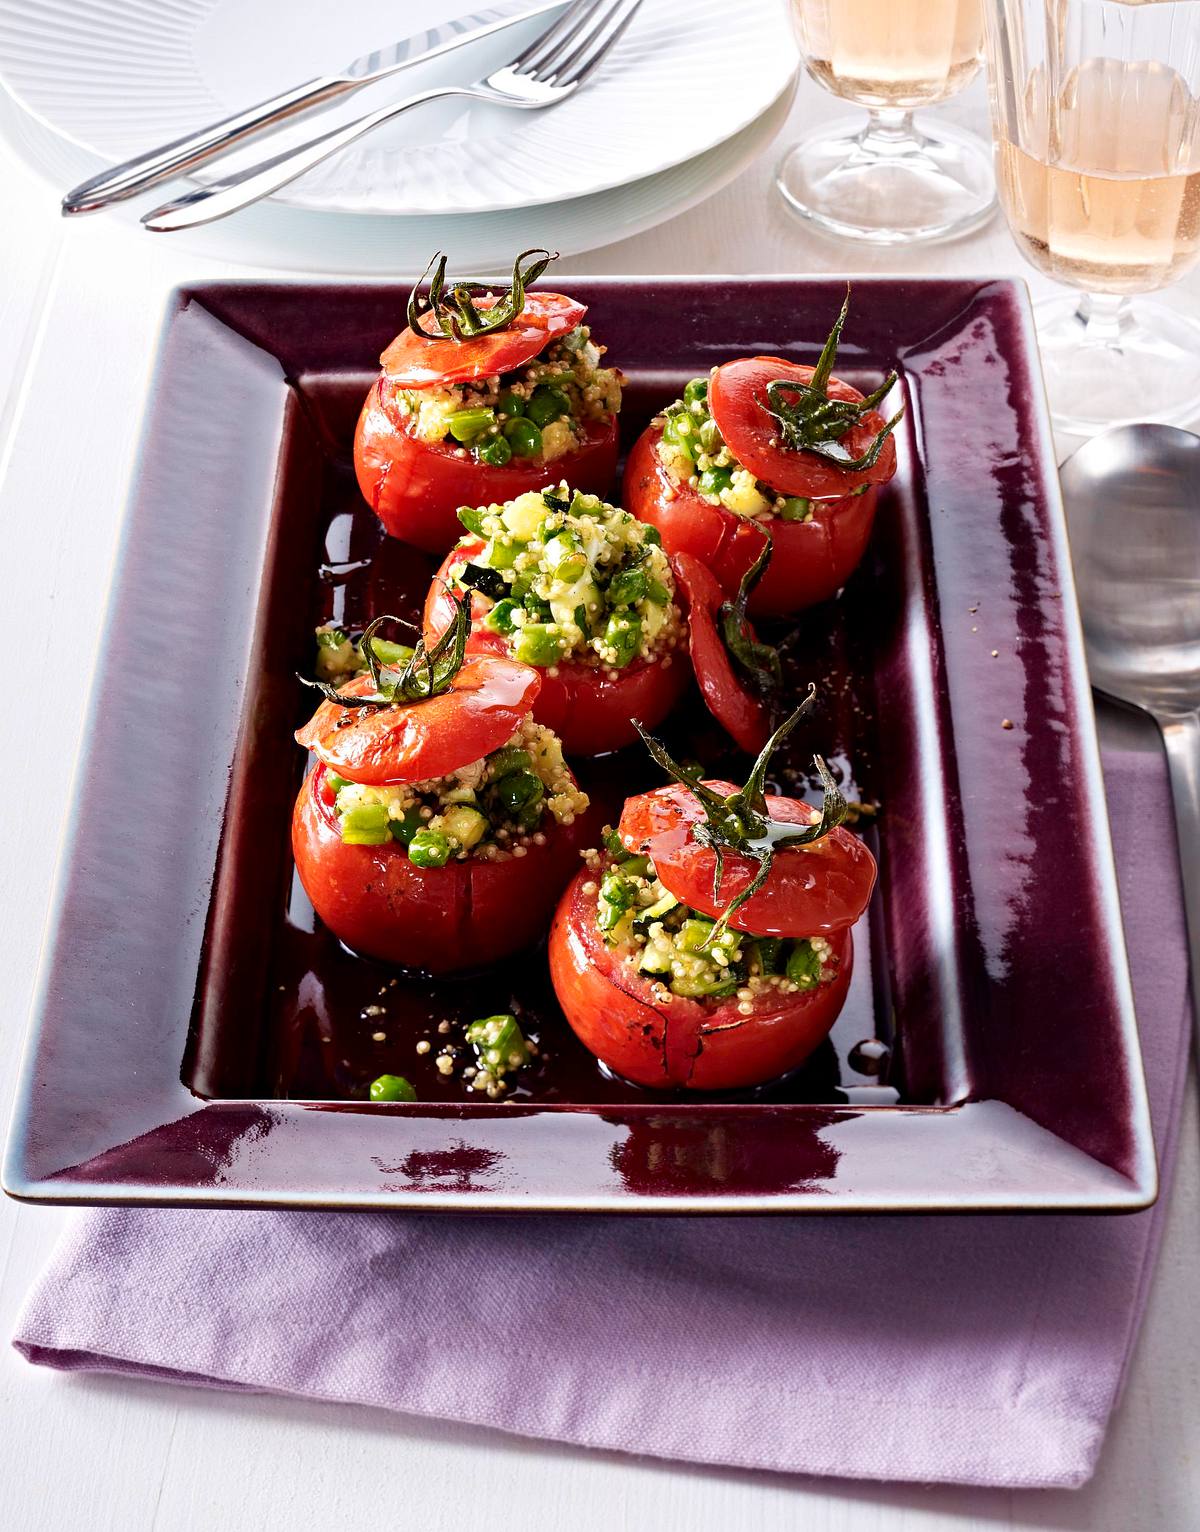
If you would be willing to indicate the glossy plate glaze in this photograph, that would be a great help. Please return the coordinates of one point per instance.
(200, 1039)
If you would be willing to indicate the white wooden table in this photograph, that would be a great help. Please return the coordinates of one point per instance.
(80, 306)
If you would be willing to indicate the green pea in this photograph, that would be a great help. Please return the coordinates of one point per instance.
(627, 586)
(519, 795)
(547, 403)
(499, 619)
(392, 1088)
(695, 391)
(795, 508)
(713, 480)
(404, 829)
(804, 966)
(365, 825)
(523, 437)
(510, 403)
(429, 848)
(463, 425)
(495, 451)
(623, 635)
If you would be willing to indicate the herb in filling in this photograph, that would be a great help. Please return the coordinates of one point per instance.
(674, 946)
(566, 576)
(537, 411)
(493, 808)
(693, 452)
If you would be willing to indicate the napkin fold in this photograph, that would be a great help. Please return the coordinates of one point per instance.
(975, 1350)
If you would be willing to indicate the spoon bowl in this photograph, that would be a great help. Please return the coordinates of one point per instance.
(1133, 513)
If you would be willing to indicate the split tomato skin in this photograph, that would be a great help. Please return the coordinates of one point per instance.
(680, 1043)
(591, 712)
(464, 915)
(415, 487)
(810, 560)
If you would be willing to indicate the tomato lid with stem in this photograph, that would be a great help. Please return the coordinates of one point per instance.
(425, 719)
(470, 330)
(769, 866)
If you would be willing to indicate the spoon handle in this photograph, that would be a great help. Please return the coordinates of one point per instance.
(1182, 737)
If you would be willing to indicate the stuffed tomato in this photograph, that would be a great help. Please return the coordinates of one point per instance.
(560, 580)
(708, 947)
(766, 448)
(485, 394)
(440, 821)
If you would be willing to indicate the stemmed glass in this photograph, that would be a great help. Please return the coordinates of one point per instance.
(889, 180)
(1097, 128)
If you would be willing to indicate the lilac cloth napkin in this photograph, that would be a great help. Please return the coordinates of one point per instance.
(971, 1350)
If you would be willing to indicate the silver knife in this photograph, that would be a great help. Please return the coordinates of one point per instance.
(147, 170)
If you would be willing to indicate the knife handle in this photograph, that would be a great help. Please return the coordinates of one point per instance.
(137, 175)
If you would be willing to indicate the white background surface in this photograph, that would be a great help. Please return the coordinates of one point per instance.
(80, 306)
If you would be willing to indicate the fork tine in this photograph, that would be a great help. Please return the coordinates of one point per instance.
(568, 23)
(549, 59)
(592, 51)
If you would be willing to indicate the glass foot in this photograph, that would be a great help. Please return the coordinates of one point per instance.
(889, 181)
(1112, 361)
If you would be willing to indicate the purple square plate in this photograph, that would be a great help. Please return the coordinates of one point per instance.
(200, 1039)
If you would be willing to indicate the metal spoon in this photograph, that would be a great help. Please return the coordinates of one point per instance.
(1133, 512)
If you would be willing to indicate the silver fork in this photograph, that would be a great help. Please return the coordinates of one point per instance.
(549, 70)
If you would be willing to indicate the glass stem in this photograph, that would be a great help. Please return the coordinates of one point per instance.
(1106, 318)
(889, 132)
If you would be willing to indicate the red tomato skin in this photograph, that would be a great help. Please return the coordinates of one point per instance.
(740, 714)
(680, 1044)
(591, 713)
(415, 363)
(439, 919)
(810, 562)
(415, 487)
(813, 890)
(482, 709)
(738, 398)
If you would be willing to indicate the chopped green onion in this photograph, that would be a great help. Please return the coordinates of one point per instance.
(429, 848)
(464, 425)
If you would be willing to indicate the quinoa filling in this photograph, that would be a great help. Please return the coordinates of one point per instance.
(671, 945)
(493, 808)
(565, 576)
(539, 410)
(693, 452)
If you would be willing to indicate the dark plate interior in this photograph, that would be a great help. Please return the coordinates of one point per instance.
(996, 907)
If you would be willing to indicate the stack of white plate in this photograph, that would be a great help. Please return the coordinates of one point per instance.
(687, 97)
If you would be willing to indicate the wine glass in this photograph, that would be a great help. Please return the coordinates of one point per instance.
(1097, 128)
(888, 180)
